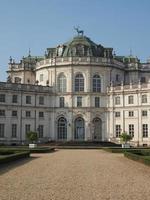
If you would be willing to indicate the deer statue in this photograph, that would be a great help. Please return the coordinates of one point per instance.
(80, 32)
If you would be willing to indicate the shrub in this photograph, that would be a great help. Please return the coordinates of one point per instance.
(32, 136)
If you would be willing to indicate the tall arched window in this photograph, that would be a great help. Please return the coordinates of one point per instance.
(62, 83)
(79, 83)
(96, 83)
(79, 129)
(62, 129)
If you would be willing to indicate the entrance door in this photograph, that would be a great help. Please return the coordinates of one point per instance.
(79, 129)
(97, 126)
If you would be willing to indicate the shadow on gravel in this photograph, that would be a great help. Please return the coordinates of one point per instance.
(4, 168)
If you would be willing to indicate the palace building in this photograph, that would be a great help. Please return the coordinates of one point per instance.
(77, 91)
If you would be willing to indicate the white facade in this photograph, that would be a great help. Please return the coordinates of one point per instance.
(79, 82)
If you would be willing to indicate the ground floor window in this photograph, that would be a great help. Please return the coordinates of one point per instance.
(14, 131)
(27, 128)
(62, 129)
(40, 131)
(145, 130)
(118, 130)
(131, 130)
(2, 130)
(79, 129)
(97, 125)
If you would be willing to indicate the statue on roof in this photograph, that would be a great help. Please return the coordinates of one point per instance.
(80, 32)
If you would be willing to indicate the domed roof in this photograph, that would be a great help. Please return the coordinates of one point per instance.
(82, 46)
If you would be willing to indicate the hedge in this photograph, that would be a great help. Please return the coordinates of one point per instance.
(143, 151)
(138, 155)
(13, 156)
(31, 150)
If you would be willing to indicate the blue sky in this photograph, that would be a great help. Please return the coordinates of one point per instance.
(38, 24)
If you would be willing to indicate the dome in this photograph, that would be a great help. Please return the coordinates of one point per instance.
(82, 46)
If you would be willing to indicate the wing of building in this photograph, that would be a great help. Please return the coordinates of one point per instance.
(78, 90)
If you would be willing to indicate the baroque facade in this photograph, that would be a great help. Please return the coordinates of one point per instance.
(78, 90)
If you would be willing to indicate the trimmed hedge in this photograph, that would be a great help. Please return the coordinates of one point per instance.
(31, 150)
(13, 156)
(142, 156)
(143, 151)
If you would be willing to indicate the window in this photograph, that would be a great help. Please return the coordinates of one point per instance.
(62, 129)
(2, 112)
(79, 83)
(41, 100)
(118, 130)
(117, 100)
(144, 98)
(144, 113)
(131, 114)
(41, 77)
(61, 102)
(14, 98)
(131, 130)
(97, 102)
(28, 113)
(41, 130)
(62, 85)
(117, 77)
(41, 114)
(27, 128)
(2, 97)
(28, 99)
(2, 130)
(143, 80)
(117, 114)
(14, 131)
(145, 130)
(79, 101)
(130, 100)
(96, 83)
(17, 80)
(14, 113)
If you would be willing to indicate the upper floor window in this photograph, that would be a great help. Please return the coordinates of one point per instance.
(144, 98)
(2, 112)
(79, 83)
(131, 114)
(41, 100)
(62, 85)
(79, 101)
(28, 113)
(2, 97)
(117, 114)
(144, 113)
(96, 83)
(130, 100)
(97, 102)
(14, 98)
(61, 102)
(14, 113)
(41, 114)
(117, 100)
(28, 99)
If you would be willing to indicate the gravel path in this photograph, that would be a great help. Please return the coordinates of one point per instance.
(75, 175)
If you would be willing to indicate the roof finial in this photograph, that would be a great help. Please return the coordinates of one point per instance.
(130, 52)
(29, 52)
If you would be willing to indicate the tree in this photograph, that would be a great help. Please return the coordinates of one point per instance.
(125, 137)
(32, 136)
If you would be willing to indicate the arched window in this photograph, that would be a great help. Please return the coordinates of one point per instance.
(62, 83)
(97, 126)
(79, 83)
(96, 83)
(79, 129)
(62, 129)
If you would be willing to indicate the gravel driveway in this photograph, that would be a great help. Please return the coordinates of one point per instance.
(75, 174)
